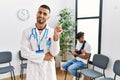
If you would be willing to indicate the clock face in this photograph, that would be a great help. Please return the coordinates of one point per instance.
(23, 14)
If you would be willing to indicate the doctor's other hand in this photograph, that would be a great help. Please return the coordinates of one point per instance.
(48, 56)
(57, 31)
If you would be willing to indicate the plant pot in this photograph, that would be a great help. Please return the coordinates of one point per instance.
(64, 56)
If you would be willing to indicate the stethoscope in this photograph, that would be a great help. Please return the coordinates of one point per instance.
(35, 36)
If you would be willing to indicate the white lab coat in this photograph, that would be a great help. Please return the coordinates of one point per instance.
(37, 67)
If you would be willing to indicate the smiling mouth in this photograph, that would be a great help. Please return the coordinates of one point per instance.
(39, 18)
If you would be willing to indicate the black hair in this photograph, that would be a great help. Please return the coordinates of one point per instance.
(46, 7)
(79, 35)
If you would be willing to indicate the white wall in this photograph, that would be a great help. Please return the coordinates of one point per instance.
(111, 32)
(11, 27)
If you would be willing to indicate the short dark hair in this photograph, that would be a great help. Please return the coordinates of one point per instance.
(46, 7)
(79, 35)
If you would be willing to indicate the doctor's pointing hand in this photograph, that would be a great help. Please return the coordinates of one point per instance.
(57, 31)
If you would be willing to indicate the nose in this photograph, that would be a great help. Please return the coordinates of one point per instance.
(40, 15)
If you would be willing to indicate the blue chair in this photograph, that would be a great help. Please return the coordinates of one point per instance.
(116, 70)
(85, 67)
(100, 61)
(6, 57)
(23, 65)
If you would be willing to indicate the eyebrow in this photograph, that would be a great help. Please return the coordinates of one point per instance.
(42, 12)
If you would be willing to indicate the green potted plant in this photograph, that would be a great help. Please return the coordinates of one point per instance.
(67, 38)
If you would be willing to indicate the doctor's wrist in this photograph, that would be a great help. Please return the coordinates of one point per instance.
(56, 37)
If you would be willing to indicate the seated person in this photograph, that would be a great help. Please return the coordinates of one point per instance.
(82, 53)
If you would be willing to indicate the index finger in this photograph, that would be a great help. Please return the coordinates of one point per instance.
(60, 25)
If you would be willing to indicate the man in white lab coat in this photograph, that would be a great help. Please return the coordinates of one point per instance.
(40, 44)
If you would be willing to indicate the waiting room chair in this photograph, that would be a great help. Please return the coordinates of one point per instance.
(116, 70)
(23, 65)
(6, 57)
(100, 61)
(84, 67)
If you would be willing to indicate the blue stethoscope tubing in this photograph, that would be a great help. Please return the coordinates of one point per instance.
(34, 34)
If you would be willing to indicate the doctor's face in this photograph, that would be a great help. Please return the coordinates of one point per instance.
(43, 15)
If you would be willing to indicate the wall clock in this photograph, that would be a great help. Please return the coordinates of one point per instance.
(23, 14)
